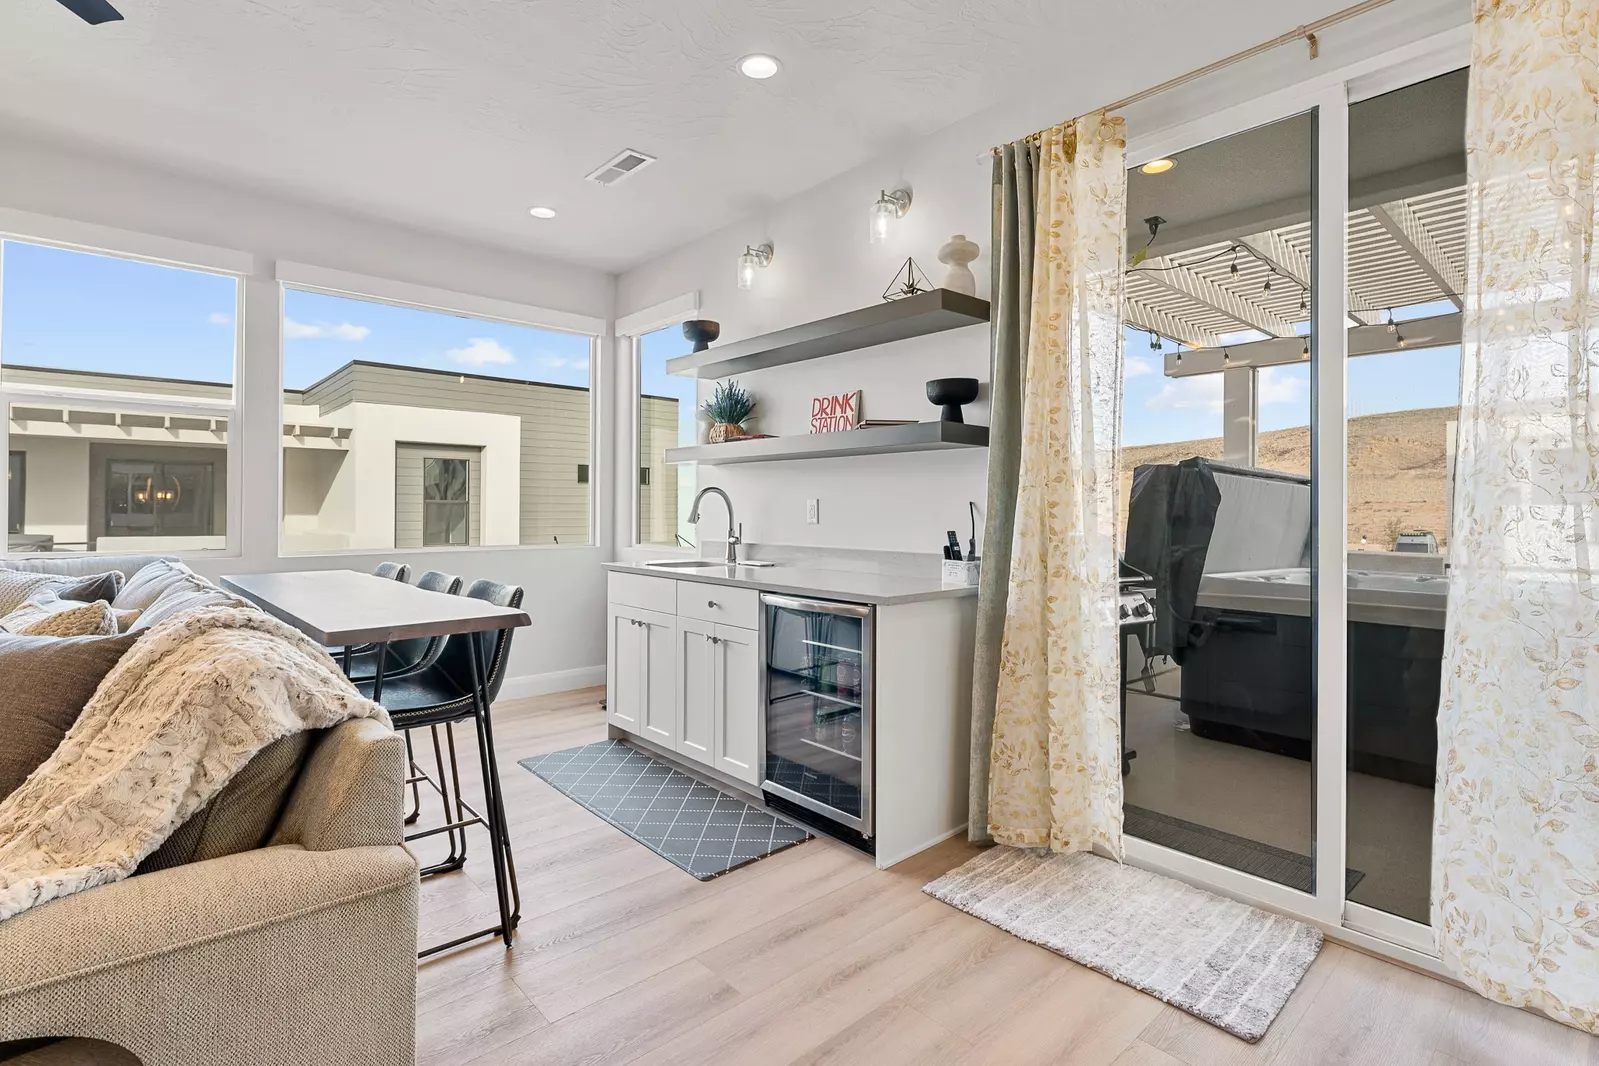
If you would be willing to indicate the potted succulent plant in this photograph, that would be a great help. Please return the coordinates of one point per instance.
(729, 407)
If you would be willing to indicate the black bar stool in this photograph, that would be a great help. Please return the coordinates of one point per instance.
(461, 684)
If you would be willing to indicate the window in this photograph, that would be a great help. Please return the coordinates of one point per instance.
(160, 499)
(665, 418)
(480, 421)
(17, 484)
(118, 383)
(445, 501)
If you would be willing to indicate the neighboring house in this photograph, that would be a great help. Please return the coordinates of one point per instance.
(374, 456)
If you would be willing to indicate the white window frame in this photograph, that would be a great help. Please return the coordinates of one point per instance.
(1330, 94)
(114, 243)
(326, 281)
(630, 330)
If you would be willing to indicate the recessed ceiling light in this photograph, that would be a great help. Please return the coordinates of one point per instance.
(758, 66)
(1158, 166)
(541, 212)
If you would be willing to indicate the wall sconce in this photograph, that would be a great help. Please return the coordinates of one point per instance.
(889, 206)
(753, 257)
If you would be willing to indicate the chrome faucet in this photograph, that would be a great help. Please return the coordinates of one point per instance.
(735, 537)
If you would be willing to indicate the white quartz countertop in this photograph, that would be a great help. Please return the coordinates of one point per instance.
(849, 586)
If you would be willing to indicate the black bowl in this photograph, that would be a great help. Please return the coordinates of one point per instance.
(702, 331)
(951, 393)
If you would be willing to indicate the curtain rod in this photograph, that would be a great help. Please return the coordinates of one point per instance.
(1306, 33)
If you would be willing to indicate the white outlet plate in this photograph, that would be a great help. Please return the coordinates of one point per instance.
(811, 512)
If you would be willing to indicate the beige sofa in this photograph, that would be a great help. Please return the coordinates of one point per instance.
(300, 948)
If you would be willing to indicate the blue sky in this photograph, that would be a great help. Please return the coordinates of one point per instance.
(89, 312)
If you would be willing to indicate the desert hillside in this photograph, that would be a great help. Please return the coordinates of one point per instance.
(1397, 470)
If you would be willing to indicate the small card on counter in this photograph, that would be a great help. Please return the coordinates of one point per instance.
(961, 573)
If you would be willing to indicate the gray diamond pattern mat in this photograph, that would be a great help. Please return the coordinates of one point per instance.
(683, 820)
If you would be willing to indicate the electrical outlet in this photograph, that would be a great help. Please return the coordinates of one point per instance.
(810, 512)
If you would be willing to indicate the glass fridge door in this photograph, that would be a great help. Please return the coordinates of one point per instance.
(818, 707)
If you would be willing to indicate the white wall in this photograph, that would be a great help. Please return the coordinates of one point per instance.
(565, 585)
(823, 265)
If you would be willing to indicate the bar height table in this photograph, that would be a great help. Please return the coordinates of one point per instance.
(344, 608)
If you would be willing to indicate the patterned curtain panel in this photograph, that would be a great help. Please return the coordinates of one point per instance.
(1011, 292)
(1055, 774)
(1516, 837)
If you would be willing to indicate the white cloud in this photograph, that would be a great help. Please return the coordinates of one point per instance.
(219, 318)
(1203, 392)
(481, 351)
(547, 361)
(1280, 384)
(1199, 393)
(1137, 366)
(343, 331)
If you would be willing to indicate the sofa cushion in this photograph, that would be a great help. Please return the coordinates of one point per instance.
(47, 681)
(145, 586)
(242, 816)
(188, 595)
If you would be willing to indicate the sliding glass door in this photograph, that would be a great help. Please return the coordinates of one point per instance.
(1295, 271)
(1218, 489)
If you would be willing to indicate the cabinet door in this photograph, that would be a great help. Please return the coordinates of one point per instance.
(738, 704)
(624, 673)
(696, 690)
(658, 716)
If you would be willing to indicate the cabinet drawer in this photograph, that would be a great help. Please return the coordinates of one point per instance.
(650, 593)
(719, 603)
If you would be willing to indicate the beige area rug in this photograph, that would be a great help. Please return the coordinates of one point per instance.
(1222, 961)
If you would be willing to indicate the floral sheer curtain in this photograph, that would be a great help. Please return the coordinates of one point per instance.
(1055, 773)
(1516, 834)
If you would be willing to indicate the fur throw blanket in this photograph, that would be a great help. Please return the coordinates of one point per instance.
(189, 706)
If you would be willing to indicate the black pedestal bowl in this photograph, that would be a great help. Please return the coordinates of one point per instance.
(702, 331)
(950, 394)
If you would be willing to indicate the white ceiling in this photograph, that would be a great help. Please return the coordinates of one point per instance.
(457, 115)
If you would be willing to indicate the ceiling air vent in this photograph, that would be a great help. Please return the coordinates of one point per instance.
(624, 163)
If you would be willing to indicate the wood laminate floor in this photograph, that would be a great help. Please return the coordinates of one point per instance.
(812, 956)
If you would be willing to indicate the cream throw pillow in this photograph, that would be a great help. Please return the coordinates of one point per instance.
(39, 615)
(78, 620)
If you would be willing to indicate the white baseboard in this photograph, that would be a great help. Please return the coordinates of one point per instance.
(885, 861)
(516, 688)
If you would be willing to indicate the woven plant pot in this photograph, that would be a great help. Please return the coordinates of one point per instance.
(721, 432)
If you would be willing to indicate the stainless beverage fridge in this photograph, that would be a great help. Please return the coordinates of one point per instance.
(819, 727)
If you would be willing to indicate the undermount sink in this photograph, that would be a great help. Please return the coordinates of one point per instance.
(690, 564)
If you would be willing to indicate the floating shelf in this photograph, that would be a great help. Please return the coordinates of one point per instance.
(891, 320)
(877, 440)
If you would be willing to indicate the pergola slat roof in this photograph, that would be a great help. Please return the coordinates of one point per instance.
(1407, 252)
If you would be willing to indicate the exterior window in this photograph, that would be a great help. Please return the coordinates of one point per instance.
(481, 421)
(582, 473)
(445, 500)
(159, 499)
(118, 382)
(17, 484)
(665, 418)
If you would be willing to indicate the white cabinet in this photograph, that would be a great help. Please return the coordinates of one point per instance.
(641, 673)
(738, 703)
(684, 681)
(696, 690)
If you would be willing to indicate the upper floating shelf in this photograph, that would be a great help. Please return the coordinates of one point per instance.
(874, 440)
(891, 320)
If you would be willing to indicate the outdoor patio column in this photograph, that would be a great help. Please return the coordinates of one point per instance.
(1238, 415)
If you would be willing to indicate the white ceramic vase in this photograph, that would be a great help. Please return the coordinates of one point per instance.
(955, 254)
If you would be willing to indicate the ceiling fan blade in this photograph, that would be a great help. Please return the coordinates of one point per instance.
(94, 12)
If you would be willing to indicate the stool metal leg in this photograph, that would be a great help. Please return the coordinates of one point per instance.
(494, 806)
